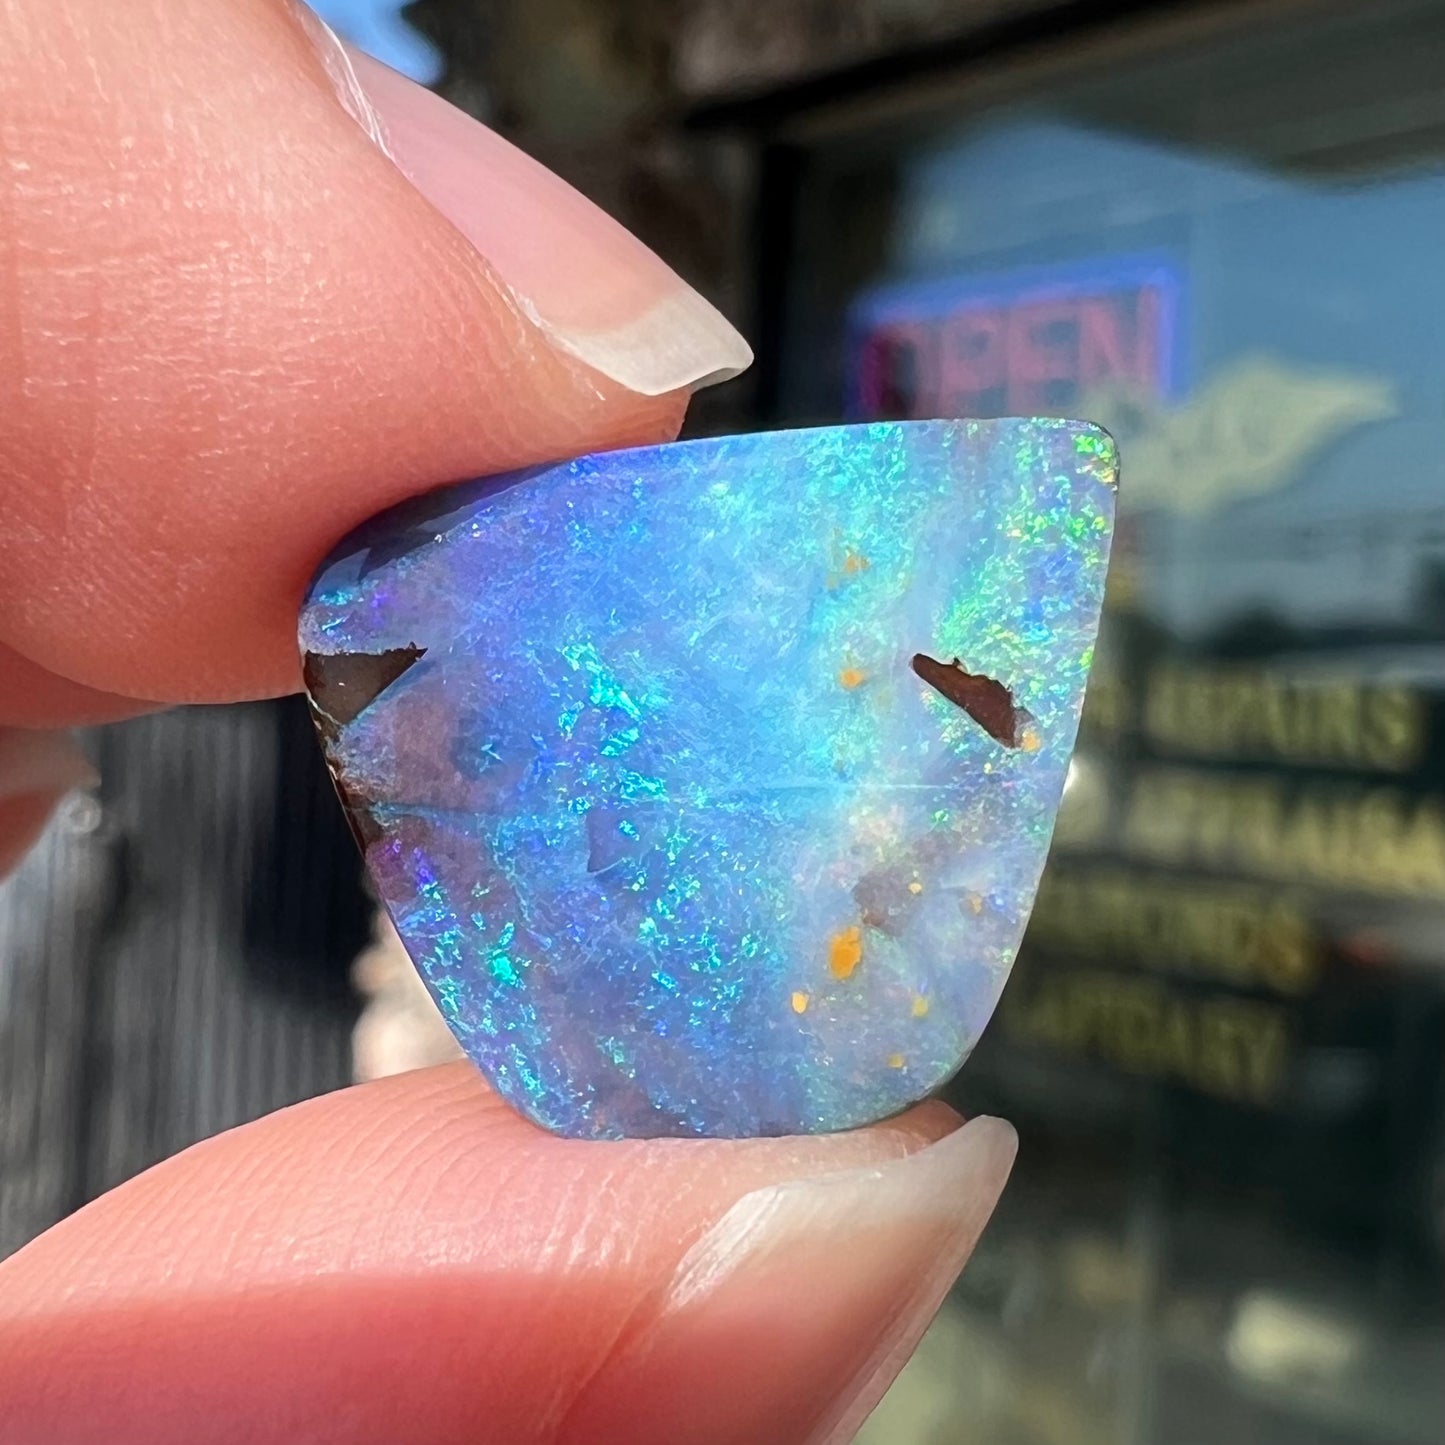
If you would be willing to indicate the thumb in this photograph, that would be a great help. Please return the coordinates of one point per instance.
(409, 1260)
(255, 292)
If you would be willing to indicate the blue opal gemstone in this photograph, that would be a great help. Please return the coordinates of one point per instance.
(709, 785)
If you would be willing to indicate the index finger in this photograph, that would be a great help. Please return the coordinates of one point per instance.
(257, 299)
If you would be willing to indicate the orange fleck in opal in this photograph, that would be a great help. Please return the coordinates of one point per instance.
(800, 1002)
(845, 952)
(895, 1061)
(920, 1006)
(852, 677)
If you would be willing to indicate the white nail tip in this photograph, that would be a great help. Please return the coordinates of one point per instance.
(943, 1192)
(681, 341)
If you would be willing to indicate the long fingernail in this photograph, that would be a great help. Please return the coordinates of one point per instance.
(34, 762)
(808, 1297)
(596, 291)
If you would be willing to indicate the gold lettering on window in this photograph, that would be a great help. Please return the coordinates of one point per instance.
(1234, 1049)
(1247, 713)
(1374, 839)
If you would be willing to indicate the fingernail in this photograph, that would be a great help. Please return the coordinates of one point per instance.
(34, 763)
(807, 1297)
(596, 291)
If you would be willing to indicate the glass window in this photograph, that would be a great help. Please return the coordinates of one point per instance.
(1223, 1041)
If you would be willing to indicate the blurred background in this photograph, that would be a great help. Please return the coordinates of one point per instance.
(1218, 229)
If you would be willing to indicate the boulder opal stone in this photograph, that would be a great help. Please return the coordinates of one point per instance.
(709, 785)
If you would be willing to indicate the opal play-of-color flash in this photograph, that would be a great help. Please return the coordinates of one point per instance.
(709, 785)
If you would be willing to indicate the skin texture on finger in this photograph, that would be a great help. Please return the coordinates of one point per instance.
(411, 1260)
(231, 330)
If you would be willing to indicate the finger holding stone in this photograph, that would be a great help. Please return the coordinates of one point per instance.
(410, 1260)
(259, 292)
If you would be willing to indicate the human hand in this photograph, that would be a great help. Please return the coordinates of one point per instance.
(249, 295)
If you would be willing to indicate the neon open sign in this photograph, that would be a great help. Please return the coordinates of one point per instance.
(1017, 345)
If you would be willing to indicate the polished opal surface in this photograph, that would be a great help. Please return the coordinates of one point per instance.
(709, 785)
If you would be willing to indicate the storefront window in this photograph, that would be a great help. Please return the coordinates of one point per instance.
(1224, 1042)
